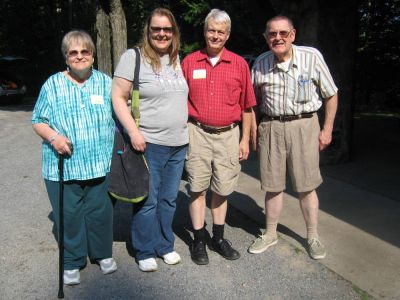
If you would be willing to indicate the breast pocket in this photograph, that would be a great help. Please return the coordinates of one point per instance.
(305, 88)
(233, 89)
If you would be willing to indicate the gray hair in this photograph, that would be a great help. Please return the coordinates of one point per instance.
(219, 16)
(279, 18)
(77, 36)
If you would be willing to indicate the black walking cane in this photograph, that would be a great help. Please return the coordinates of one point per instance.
(61, 228)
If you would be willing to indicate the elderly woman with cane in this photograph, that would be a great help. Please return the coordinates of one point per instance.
(73, 116)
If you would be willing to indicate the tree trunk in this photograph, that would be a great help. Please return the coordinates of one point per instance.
(118, 29)
(103, 42)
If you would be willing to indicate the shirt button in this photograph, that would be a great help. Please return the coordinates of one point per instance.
(211, 94)
(211, 81)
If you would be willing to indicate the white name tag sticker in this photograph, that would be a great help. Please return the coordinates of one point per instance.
(199, 74)
(97, 99)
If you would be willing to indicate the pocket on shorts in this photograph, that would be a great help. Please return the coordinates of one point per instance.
(262, 132)
(193, 147)
(232, 158)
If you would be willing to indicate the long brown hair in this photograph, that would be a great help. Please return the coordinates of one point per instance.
(147, 49)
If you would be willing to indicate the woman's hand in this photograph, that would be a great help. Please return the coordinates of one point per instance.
(62, 144)
(59, 142)
(137, 140)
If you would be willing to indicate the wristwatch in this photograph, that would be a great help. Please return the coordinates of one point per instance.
(52, 138)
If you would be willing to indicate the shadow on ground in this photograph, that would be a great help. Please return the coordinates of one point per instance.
(374, 168)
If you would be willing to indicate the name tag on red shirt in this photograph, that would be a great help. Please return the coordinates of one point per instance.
(199, 74)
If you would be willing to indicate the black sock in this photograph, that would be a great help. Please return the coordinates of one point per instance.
(218, 231)
(200, 234)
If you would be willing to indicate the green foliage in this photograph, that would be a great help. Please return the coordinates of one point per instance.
(189, 48)
(378, 56)
(195, 11)
(363, 294)
(34, 28)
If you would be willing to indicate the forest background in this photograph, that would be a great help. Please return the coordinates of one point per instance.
(358, 38)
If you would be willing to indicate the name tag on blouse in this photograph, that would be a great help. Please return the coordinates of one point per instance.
(97, 99)
(199, 74)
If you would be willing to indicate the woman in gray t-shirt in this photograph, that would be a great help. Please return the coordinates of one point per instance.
(162, 134)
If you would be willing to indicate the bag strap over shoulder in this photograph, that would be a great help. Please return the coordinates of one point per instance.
(135, 104)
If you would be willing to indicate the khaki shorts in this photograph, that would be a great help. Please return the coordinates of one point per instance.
(213, 159)
(293, 146)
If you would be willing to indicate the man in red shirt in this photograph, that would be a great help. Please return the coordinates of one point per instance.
(220, 96)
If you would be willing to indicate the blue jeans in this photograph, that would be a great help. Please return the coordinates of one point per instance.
(151, 229)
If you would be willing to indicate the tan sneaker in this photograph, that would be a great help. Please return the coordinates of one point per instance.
(316, 249)
(262, 243)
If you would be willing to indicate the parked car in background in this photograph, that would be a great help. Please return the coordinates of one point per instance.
(12, 81)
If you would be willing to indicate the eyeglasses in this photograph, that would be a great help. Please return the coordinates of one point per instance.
(213, 31)
(157, 30)
(75, 53)
(283, 34)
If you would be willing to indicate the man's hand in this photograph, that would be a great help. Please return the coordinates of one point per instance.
(243, 150)
(325, 138)
(253, 133)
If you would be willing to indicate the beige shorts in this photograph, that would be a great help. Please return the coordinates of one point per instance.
(293, 146)
(213, 159)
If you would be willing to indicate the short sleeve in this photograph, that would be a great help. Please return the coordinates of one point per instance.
(248, 96)
(42, 110)
(126, 66)
(325, 81)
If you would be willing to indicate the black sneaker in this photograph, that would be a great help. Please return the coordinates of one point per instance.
(224, 247)
(198, 252)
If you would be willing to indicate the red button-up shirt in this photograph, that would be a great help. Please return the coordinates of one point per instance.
(218, 94)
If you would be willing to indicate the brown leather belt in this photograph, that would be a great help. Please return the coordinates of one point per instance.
(288, 118)
(212, 129)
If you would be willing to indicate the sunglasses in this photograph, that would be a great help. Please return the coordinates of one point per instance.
(75, 53)
(157, 30)
(282, 33)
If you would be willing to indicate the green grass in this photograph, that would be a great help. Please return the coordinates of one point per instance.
(297, 250)
(363, 294)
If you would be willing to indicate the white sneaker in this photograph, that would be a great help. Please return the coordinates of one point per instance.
(172, 258)
(148, 265)
(108, 265)
(72, 277)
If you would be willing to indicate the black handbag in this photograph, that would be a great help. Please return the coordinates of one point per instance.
(129, 175)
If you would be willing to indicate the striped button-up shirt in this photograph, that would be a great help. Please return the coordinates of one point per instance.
(84, 115)
(292, 88)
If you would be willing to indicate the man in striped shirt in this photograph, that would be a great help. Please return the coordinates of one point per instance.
(290, 84)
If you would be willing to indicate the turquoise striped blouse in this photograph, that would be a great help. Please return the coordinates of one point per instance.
(84, 115)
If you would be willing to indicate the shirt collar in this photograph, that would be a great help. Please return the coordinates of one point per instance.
(293, 62)
(226, 55)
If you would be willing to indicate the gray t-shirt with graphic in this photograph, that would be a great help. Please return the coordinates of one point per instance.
(163, 100)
